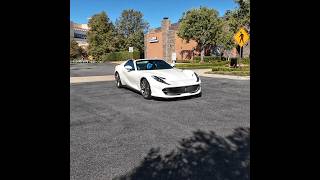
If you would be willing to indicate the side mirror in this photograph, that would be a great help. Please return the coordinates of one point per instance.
(128, 67)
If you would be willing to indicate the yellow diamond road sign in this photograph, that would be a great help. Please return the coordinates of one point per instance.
(241, 37)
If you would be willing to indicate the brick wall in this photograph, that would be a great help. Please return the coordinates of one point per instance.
(183, 49)
(155, 49)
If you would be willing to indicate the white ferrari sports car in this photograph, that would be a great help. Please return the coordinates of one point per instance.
(156, 78)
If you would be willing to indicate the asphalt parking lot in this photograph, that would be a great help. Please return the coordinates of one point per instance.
(112, 130)
(94, 69)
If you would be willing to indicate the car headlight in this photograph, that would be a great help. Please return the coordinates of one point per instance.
(160, 79)
(197, 77)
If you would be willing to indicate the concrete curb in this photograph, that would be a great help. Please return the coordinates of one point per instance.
(227, 76)
(202, 72)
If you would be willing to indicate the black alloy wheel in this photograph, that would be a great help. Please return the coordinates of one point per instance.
(145, 89)
(118, 81)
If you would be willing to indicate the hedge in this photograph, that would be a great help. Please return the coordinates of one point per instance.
(121, 56)
(221, 68)
(183, 61)
(206, 58)
(236, 73)
(203, 65)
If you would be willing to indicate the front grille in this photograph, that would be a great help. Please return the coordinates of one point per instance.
(181, 90)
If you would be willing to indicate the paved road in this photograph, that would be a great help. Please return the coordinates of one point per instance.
(112, 130)
(94, 69)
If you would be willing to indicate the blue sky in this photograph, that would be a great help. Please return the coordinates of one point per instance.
(153, 10)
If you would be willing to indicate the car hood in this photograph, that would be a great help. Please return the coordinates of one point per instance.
(172, 75)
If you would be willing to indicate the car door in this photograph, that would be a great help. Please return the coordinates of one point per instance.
(131, 75)
(136, 76)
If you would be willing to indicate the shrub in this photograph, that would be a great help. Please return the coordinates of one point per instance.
(75, 50)
(221, 68)
(120, 56)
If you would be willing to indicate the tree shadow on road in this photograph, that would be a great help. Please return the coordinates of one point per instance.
(203, 156)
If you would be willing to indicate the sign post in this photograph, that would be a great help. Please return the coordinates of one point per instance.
(241, 38)
(131, 51)
(174, 57)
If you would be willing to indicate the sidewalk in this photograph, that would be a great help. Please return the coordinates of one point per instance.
(201, 72)
(74, 80)
(116, 62)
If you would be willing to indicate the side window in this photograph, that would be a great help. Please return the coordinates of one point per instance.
(130, 63)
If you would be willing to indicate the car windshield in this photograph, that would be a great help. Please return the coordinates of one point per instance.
(152, 65)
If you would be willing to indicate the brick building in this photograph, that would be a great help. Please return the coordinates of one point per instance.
(164, 43)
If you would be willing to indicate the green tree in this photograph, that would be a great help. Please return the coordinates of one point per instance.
(101, 36)
(232, 21)
(201, 25)
(243, 12)
(240, 17)
(130, 29)
(227, 31)
(75, 50)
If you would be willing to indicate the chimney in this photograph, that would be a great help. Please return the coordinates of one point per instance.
(165, 24)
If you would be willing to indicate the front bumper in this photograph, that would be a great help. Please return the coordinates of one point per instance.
(176, 91)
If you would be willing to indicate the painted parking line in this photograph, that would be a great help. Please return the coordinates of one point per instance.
(91, 79)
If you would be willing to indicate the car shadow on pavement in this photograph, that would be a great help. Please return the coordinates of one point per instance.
(175, 99)
(203, 156)
(162, 99)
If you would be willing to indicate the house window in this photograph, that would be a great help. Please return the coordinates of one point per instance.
(80, 36)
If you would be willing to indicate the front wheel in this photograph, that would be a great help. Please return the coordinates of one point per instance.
(118, 80)
(145, 89)
(199, 95)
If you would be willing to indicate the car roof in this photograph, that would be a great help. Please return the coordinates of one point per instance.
(148, 59)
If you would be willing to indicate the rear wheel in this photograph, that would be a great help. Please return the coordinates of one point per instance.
(145, 89)
(118, 80)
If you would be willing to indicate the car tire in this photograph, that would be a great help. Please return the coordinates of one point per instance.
(199, 95)
(118, 80)
(145, 89)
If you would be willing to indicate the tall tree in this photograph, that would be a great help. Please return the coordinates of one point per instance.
(201, 25)
(130, 29)
(101, 36)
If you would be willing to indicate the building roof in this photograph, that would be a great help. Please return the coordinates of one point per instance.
(80, 27)
(173, 26)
